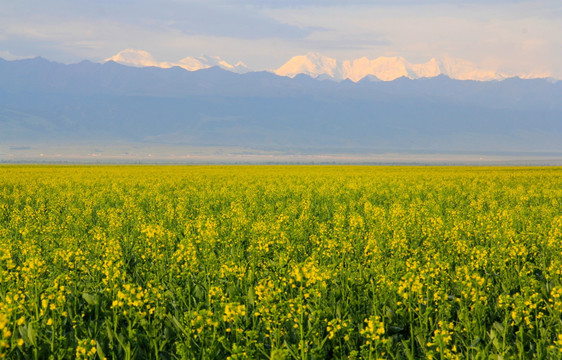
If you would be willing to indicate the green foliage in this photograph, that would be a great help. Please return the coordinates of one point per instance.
(275, 262)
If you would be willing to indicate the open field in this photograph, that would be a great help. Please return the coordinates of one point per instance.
(274, 262)
(160, 154)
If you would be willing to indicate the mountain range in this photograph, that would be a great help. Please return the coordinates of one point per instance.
(316, 65)
(100, 105)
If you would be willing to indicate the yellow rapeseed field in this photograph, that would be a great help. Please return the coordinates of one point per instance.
(280, 262)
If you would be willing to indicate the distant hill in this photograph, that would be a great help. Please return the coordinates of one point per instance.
(43, 101)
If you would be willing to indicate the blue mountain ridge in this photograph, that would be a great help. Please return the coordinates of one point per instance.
(44, 101)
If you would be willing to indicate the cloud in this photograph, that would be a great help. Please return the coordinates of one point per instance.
(510, 36)
(7, 55)
(276, 4)
(233, 22)
(192, 18)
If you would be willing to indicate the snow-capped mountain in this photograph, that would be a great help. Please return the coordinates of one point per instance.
(204, 62)
(141, 58)
(312, 64)
(465, 70)
(137, 58)
(383, 68)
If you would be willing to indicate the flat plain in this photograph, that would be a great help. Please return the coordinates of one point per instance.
(273, 262)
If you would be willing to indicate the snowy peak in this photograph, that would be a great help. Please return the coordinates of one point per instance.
(312, 64)
(141, 58)
(137, 58)
(465, 70)
(205, 62)
(383, 68)
(428, 69)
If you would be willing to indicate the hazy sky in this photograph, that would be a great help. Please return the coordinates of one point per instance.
(507, 36)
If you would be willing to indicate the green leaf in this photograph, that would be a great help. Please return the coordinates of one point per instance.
(23, 332)
(475, 342)
(91, 299)
(251, 296)
(498, 327)
(100, 352)
(31, 335)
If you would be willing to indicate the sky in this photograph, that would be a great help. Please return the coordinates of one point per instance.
(512, 37)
